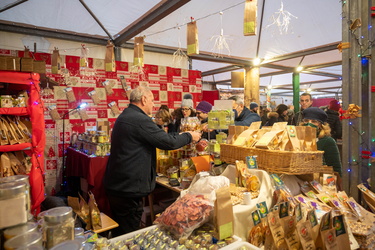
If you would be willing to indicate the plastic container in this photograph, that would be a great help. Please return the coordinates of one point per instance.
(26, 240)
(13, 204)
(29, 227)
(58, 226)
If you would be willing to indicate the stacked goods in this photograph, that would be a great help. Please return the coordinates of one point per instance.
(280, 149)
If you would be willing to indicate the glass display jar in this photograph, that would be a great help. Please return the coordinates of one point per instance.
(29, 227)
(32, 240)
(58, 226)
(13, 204)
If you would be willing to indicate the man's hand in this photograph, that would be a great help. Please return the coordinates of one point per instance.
(195, 135)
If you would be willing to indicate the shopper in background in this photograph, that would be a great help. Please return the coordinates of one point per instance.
(202, 110)
(244, 116)
(186, 110)
(282, 111)
(254, 107)
(164, 120)
(305, 101)
(131, 169)
(264, 115)
(334, 119)
(290, 114)
(165, 107)
(317, 118)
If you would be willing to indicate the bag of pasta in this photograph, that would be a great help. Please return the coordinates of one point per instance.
(96, 221)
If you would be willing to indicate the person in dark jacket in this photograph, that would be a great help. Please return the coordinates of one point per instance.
(272, 117)
(202, 110)
(282, 111)
(317, 118)
(245, 117)
(131, 169)
(334, 119)
(305, 101)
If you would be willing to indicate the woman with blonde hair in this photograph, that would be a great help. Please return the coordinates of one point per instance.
(317, 118)
(164, 120)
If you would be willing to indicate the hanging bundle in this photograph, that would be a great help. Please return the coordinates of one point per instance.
(282, 19)
(179, 55)
(220, 41)
(192, 38)
(250, 18)
(110, 65)
(56, 62)
(138, 51)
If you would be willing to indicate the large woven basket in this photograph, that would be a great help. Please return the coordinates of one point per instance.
(289, 162)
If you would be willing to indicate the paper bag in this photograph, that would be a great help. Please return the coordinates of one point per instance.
(96, 221)
(250, 18)
(53, 113)
(70, 94)
(108, 87)
(138, 51)
(56, 62)
(114, 108)
(192, 39)
(94, 97)
(223, 213)
(109, 60)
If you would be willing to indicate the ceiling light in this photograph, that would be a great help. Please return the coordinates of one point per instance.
(269, 87)
(256, 61)
(308, 90)
(299, 68)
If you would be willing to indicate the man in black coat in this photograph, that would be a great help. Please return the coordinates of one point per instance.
(334, 119)
(131, 170)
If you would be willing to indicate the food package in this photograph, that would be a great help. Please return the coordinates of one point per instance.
(114, 108)
(96, 221)
(109, 60)
(108, 86)
(53, 113)
(256, 234)
(250, 18)
(185, 215)
(138, 51)
(5, 167)
(192, 39)
(16, 165)
(94, 97)
(223, 217)
(56, 62)
(70, 94)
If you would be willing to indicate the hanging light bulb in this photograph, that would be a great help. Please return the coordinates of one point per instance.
(256, 61)
(299, 68)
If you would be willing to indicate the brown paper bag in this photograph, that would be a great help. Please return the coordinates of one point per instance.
(53, 113)
(11, 134)
(94, 97)
(21, 137)
(292, 133)
(108, 87)
(304, 231)
(96, 221)
(311, 216)
(6, 168)
(231, 134)
(24, 159)
(70, 95)
(250, 18)
(85, 212)
(310, 138)
(16, 165)
(114, 108)
(83, 114)
(256, 234)
(3, 134)
(138, 51)
(192, 39)
(110, 64)
(223, 213)
(301, 137)
(276, 230)
(56, 62)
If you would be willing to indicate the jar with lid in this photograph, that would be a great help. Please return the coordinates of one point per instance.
(70, 244)
(29, 227)
(31, 240)
(20, 179)
(13, 204)
(6, 101)
(58, 226)
(21, 101)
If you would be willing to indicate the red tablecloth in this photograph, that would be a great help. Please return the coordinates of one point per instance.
(92, 169)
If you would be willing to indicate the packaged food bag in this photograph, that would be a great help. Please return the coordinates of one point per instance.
(56, 62)
(250, 18)
(192, 39)
(96, 221)
(223, 217)
(109, 60)
(138, 51)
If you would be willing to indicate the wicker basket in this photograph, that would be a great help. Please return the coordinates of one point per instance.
(289, 162)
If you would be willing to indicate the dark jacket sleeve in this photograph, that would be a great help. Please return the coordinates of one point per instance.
(338, 129)
(331, 156)
(248, 119)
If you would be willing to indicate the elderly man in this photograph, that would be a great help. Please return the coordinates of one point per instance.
(244, 116)
(131, 169)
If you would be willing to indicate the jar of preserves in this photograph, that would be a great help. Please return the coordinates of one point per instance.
(29, 227)
(31, 240)
(6, 101)
(58, 226)
(13, 204)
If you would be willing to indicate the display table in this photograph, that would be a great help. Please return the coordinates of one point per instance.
(91, 169)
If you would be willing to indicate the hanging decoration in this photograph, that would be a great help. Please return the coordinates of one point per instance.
(220, 41)
(281, 19)
(352, 112)
(250, 18)
(137, 71)
(56, 62)
(179, 56)
(192, 38)
(110, 64)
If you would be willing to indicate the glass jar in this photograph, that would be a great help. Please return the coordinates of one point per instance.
(30, 240)
(29, 227)
(13, 204)
(6, 101)
(58, 226)
(21, 101)
(71, 245)
(20, 179)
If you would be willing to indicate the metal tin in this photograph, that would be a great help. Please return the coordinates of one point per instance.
(58, 215)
